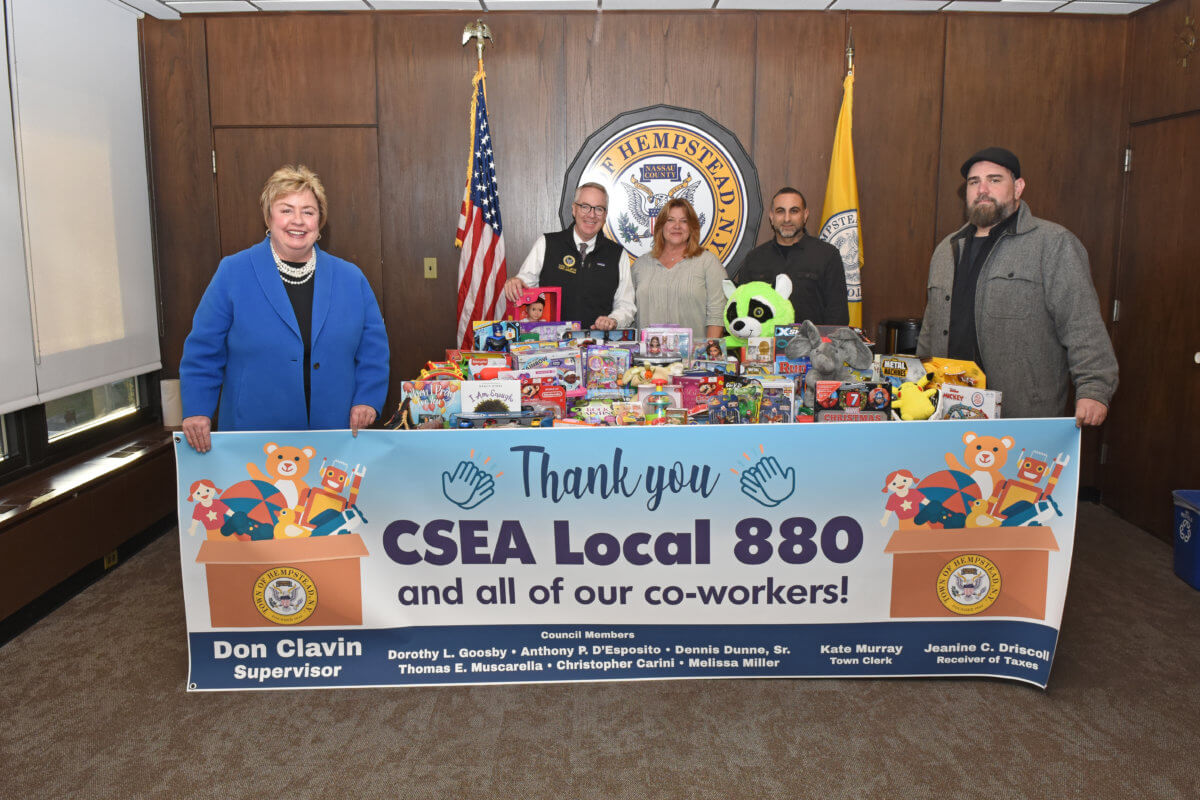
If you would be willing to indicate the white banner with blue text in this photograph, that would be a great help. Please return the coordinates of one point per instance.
(411, 558)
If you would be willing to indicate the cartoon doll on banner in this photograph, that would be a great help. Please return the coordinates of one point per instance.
(210, 511)
(905, 500)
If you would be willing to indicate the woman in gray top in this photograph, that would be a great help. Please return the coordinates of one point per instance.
(678, 282)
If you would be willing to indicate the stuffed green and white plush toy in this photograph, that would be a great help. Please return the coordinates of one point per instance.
(755, 308)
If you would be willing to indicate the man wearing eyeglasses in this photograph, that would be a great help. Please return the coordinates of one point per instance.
(591, 269)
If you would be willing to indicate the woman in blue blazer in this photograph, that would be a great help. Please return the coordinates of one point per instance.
(286, 337)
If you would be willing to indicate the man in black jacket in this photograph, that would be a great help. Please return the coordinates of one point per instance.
(815, 267)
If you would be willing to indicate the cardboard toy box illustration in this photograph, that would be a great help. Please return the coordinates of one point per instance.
(309, 582)
(964, 572)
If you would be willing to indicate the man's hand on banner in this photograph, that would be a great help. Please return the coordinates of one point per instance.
(768, 483)
(468, 486)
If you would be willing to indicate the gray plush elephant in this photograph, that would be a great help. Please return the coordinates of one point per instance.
(831, 357)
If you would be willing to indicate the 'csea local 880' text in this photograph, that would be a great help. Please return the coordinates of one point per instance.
(795, 541)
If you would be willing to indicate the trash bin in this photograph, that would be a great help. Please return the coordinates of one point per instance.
(898, 336)
(1187, 532)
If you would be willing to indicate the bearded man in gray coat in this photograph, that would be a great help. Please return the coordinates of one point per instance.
(1014, 294)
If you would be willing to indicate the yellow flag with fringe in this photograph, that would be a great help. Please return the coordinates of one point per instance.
(839, 217)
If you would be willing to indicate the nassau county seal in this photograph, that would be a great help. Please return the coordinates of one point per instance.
(841, 231)
(646, 158)
(969, 584)
(285, 595)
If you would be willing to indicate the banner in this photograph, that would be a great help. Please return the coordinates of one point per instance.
(519, 555)
(839, 217)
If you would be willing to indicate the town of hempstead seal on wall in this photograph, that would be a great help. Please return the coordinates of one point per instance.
(652, 155)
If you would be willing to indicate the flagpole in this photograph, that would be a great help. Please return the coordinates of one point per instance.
(482, 267)
(839, 216)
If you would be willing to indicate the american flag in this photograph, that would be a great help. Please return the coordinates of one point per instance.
(481, 267)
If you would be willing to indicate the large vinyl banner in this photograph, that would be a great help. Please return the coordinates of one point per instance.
(402, 558)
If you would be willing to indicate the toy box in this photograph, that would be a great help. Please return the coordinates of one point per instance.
(709, 350)
(960, 402)
(759, 350)
(540, 389)
(755, 370)
(536, 304)
(566, 360)
(236, 571)
(603, 368)
(696, 388)
(428, 400)
(545, 331)
(738, 404)
(495, 396)
(926, 563)
(628, 412)
(956, 372)
(671, 342)
(486, 366)
(595, 412)
(495, 337)
(595, 336)
(778, 400)
(853, 401)
(899, 369)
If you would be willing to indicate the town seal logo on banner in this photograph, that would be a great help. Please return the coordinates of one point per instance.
(969, 584)
(285, 595)
(647, 157)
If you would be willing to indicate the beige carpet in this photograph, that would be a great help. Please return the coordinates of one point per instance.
(94, 707)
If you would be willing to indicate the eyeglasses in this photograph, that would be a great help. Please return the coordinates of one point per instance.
(588, 211)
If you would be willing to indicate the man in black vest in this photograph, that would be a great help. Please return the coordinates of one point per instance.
(590, 268)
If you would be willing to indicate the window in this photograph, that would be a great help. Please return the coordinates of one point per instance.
(40, 436)
(78, 315)
(88, 409)
(5, 448)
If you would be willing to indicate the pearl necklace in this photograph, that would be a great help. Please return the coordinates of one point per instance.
(296, 276)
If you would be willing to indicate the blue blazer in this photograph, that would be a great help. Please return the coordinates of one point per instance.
(245, 347)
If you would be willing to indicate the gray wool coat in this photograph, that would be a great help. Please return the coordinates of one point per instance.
(1037, 318)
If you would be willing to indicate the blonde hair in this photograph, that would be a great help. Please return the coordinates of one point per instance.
(692, 248)
(290, 179)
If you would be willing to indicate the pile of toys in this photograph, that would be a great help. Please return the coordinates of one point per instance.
(533, 370)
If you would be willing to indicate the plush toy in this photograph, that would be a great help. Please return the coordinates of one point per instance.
(914, 401)
(755, 308)
(830, 358)
(643, 373)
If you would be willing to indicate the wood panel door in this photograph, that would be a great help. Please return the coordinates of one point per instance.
(1153, 436)
(346, 160)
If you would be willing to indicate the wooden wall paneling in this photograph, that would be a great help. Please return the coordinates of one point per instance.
(292, 69)
(184, 197)
(1050, 90)
(618, 62)
(346, 160)
(800, 63)
(898, 61)
(1152, 435)
(424, 111)
(54, 544)
(529, 107)
(1162, 85)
